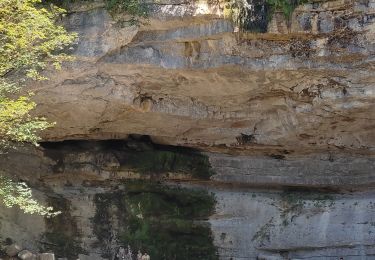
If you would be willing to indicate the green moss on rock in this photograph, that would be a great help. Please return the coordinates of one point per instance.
(167, 222)
(254, 15)
(163, 160)
(136, 155)
(62, 236)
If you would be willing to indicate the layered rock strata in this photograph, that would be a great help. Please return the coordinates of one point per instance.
(186, 78)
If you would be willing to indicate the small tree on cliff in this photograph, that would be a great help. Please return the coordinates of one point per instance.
(30, 41)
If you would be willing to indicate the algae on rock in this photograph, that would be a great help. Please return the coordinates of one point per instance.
(167, 222)
(62, 237)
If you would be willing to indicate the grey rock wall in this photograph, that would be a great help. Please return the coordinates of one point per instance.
(311, 207)
(248, 223)
(323, 170)
(292, 225)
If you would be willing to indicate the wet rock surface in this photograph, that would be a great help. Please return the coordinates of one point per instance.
(171, 213)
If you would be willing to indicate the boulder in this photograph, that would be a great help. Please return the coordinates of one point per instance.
(13, 249)
(26, 255)
(89, 257)
(47, 256)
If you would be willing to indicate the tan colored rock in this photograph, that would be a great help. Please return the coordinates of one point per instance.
(46, 256)
(193, 82)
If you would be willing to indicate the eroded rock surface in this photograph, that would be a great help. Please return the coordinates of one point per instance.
(187, 79)
(169, 199)
(292, 108)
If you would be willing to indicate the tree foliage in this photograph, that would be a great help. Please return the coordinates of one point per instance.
(30, 41)
(136, 9)
(29, 37)
(16, 124)
(19, 194)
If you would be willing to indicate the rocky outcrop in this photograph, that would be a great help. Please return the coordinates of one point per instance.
(242, 207)
(14, 251)
(186, 78)
(186, 134)
(104, 193)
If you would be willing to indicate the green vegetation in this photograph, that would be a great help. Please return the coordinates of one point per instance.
(62, 236)
(30, 41)
(254, 15)
(163, 161)
(16, 123)
(30, 38)
(167, 222)
(285, 6)
(136, 9)
(19, 194)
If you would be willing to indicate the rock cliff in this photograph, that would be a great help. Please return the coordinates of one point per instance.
(186, 78)
(187, 137)
(178, 203)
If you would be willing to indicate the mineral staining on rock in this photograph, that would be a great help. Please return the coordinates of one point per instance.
(239, 221)
(291, 107)
(167, 222)
(168, 159)
(132, 157)
(169, 214)
(293, 224)
(62, 235)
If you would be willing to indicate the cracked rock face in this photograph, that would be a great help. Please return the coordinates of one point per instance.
(186, 78)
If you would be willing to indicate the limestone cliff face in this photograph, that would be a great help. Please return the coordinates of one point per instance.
(185, 78)
(277, 117)
(107, 200)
